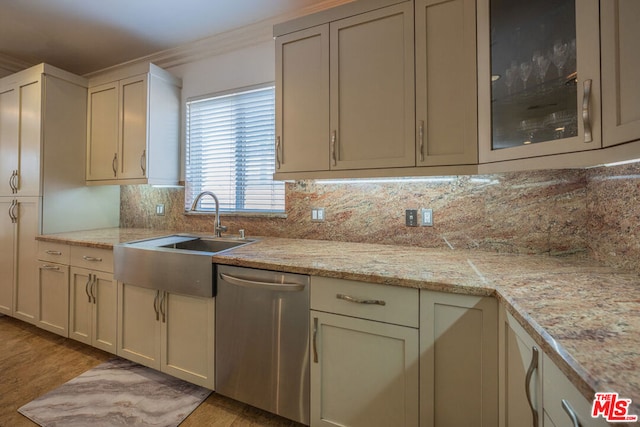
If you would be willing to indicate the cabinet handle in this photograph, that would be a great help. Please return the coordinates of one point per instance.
(248, 283)
(334, 155)
(533, 365)
(50, 267)
(163, 308)
(12, 182)
(92, 259)
(278, 148)
(315, 340)
(16, 181)
(143, 162)
(50, 252)
(12, 211)
(421, 138)
(155, 305)
(92, 288)
(361, 301)
(586, 111)
(114, 165)
(86, 288)
(572, 414)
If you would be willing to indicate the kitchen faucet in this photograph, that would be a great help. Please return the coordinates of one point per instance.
(218, 229)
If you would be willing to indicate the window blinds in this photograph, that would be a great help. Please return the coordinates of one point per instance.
(230, 151)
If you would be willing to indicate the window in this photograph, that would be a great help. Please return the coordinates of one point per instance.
(230, 151)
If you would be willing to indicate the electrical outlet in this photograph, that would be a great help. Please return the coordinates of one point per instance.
(317, 214)
(426, 217)
(160, 209)
(411, 217)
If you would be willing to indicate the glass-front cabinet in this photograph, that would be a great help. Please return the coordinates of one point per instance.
(538, 78)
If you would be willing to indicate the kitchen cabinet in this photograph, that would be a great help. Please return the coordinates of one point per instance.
(93, 298)
(446, 82)
(458, 360)
(364, 357)
(538, 78)
(133, 124)
(359, 71)
(520, 375)
(620, 36)
(53, 288)
(169, 332)
(563, 404)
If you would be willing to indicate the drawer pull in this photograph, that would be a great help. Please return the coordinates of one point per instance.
(50, 267)
(360, 301)
(315, 340)
(92, 259)
(572, 414)
(56, 253)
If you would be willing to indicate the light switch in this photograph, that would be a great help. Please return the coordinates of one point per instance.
(317, 214)
(160, 209)
(426, 217)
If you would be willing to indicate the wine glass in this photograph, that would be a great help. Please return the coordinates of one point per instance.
(559, 56)
(541, 64)
(525, 72)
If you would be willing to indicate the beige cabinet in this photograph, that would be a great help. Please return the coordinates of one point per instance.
(538, 80)
(564, 405)
(359, 72)
(93, 298)
(620, 36)
(364, 357)
(446, 83)
(53, 287)
(133, 124)
(7, 256)
(520, 375)
(458, 360)
(169, 332)
(26, 293)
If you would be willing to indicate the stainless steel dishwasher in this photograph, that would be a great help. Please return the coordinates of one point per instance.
(262, 340)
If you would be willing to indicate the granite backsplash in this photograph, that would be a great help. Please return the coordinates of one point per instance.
(593, 212)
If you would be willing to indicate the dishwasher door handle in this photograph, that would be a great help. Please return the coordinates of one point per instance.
(247, 283)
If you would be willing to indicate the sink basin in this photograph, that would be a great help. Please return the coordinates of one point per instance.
(177, 263)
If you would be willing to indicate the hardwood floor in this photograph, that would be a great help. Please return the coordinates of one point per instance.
(33, 362)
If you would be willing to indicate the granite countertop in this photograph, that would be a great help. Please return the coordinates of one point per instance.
(584, 315)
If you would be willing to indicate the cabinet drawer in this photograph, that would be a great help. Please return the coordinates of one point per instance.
(53, 252)
(390, 304)
(92, 258)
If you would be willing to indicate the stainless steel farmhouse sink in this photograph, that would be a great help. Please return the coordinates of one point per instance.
(178, 263)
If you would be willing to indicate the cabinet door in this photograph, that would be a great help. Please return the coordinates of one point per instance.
(133, 129)
(139, 325)
(80, 305)
(29, 137)
(518, 355)
(538, 78)
(102, 132)
(105, 311)
(372, 89)
(458, 360)
(363, 373)
(9, 119)
(620, 37)
(26, 293)
(446, 88)
(53, 301)
(187, 338)
(7, 257)
(302, 100)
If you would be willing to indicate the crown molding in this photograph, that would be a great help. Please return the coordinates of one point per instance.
(217, 44)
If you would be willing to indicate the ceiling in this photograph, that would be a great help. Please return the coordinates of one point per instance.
(83, 36)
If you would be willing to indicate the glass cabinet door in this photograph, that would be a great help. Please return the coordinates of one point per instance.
(541, 79)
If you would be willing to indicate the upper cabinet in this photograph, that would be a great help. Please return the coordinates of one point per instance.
(345, 93)
(538, 78)
(446, 88)
(133, 125)
(620, 36)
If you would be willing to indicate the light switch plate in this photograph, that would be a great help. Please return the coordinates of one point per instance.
(317, 214)
(160, 209)
(426, 217)
(411, 217)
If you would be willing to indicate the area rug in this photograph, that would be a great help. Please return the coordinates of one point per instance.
(117, 392)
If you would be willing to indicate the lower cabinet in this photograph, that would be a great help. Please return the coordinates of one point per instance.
(53, 298)
(93, 308)
(458, 360)
(169, 332)
(520, 375)
(364, 372)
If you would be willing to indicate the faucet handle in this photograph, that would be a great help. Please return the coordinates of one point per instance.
(221, 228)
